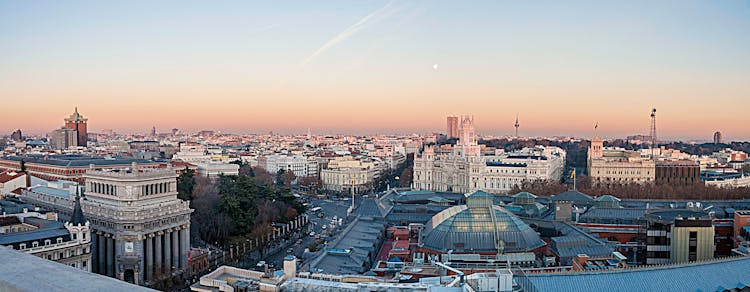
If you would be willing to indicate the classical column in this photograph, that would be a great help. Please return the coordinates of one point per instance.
(168, 251)
(158, 262)
(94, 252)
(149, 256)
(184, 247)
(175, 249)
(101, 260)
(110, 256)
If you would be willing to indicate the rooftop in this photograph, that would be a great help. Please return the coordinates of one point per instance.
(75, 160)
(703, 276)
(21, 272)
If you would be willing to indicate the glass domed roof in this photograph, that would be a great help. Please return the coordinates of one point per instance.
(479, 226)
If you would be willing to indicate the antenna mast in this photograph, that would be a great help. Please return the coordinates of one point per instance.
(653, 133)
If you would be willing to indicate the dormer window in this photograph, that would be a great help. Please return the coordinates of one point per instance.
(35, 244)
(59, 240)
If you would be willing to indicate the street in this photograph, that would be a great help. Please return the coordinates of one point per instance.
(330, 208)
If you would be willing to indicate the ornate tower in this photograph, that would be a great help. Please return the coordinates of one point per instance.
(77, 123)
(467, 137)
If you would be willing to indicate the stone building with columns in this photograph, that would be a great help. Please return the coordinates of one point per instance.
(142, 229)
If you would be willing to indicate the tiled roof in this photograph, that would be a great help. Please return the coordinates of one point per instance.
(9, 175)
(576, 197)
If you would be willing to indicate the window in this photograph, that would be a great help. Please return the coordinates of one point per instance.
(35, 244)
(59, 240)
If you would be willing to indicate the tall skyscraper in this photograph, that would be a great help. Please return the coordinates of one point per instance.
(77, 122)
(452, 130)
(717, 137)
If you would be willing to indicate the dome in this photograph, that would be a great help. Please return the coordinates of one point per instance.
(479, 227)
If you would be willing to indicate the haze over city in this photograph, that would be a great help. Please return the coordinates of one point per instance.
(379, 66)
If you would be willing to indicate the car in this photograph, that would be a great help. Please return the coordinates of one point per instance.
(324, 227)
(290, 250)
(312, 233)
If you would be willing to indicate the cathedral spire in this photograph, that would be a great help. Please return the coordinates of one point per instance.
(77, 217)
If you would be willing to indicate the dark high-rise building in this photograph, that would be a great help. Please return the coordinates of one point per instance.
(452, 127)
(77, 122)
(17, 135)
(717, 137)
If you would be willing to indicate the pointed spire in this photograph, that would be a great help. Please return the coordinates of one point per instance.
(77, 217)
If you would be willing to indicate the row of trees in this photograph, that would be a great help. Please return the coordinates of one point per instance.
(653, 191)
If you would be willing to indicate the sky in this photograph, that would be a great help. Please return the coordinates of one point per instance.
(378, 66)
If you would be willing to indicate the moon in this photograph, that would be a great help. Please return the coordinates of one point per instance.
(435, 66)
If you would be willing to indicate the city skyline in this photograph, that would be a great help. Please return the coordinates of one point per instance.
(379, 67)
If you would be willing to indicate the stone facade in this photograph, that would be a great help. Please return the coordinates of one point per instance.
(463, 169)
(618, 166)
(142, 228)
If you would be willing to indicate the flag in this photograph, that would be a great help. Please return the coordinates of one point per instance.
(573, 174)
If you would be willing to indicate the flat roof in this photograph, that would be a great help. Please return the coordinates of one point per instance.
(25, 272)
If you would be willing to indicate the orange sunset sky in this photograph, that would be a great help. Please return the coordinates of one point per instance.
(369, 66)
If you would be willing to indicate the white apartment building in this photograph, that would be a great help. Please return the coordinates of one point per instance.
(192, 153)
(214, 169)
(346, 174)
(300, 165)
(463, 169)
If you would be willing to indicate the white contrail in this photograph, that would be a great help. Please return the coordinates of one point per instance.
(373, 17)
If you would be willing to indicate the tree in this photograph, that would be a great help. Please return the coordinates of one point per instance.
(312, 183)
(288, 178)
(247, 170)
(262, 176)
(186, 184)
(406, 177)
(279, 178)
